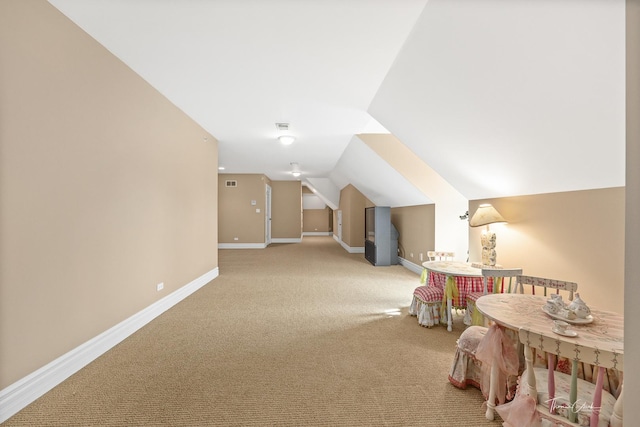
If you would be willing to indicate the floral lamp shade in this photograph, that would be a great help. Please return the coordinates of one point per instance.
(486, 214)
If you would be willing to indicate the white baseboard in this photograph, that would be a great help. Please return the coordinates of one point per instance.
(317, 233)
(242, 245)
(354, 250)
(286, 240)
(410, 266)
(26, 390)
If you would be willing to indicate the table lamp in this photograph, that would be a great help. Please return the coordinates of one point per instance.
(485, 215)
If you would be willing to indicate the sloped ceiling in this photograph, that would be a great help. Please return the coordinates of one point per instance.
(506, 98)
(360, 166)
(500, 98)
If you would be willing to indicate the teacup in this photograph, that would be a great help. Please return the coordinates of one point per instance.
(557, 298)
(552, 306)
(560, 326)
(582, 311)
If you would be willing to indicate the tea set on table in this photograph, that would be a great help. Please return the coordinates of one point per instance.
(576, 312)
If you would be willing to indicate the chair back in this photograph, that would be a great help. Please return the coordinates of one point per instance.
(552, 403)
(503, 274)
(546, 284)
(440, 256)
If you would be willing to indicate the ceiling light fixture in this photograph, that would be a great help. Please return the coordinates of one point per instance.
(295, 169)
(286, 139)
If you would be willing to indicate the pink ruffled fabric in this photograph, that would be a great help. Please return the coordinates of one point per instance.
(496, 348)
(520, 412)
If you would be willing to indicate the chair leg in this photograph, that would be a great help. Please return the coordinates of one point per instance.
(467, 315)
(616, 417)
(491, 400)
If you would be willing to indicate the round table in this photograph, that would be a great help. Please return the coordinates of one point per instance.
(514, 311)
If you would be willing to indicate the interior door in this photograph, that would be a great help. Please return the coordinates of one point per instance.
(339, 218)
(267, 215)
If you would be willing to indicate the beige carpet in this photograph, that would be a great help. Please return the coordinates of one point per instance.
(292, 335)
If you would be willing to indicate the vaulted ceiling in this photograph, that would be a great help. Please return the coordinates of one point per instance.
(499, 98)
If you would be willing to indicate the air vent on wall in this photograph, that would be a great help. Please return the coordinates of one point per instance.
(282, 127)
(231, 183)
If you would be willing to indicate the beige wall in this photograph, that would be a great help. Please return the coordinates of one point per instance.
(577, 236)
(107, 190)
(286, 210)
(237, 216)
(352, 205)
(416, 226)
(632, 241)
(317, 220)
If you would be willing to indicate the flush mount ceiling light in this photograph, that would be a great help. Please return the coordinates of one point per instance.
(286, 139)
(295, 169)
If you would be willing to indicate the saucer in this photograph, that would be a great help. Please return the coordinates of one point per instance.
(566, 333)
(560, 316)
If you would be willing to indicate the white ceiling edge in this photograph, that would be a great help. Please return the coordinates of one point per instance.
(312, 201)
(373, 126)
(326, 190)
(513, 98)
(362, 167)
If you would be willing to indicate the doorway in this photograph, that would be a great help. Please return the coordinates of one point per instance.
(267, 216)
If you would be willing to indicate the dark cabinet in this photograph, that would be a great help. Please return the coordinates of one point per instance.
(381, 237)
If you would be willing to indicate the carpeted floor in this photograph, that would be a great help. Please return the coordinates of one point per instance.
(292, 335)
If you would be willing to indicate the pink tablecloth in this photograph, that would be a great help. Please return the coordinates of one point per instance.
(465, 286)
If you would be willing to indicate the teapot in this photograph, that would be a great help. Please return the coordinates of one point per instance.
(579, 307)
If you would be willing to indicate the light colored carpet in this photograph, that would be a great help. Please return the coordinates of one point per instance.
(292, 335)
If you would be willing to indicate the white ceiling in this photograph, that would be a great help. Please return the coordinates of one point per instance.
(513, 97)
(500, 98)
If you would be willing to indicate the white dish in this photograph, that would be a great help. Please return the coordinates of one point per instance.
(565, 333)
(576, 321)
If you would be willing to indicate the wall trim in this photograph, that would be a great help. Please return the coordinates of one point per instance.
(242, 245)
(23, 392)
(354, 250)
(286, 240)
(410, 265)
(317, 233)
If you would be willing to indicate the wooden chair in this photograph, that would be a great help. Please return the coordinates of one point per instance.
(493, 282)
(563, 399)
(546, 284)
(466, 369)
(440, 256)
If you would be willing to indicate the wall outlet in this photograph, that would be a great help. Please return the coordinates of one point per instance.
(420, 256)
(235, 238)
(160, 286)
(411, 254)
